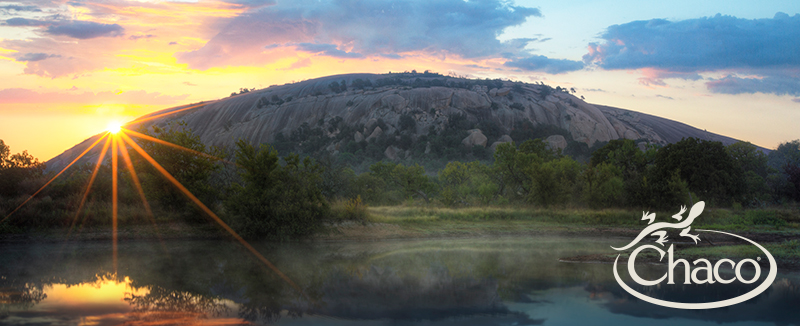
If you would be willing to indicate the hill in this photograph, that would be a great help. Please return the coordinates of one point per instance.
(410, 116)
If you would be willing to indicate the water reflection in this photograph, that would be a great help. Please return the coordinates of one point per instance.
(500, 281)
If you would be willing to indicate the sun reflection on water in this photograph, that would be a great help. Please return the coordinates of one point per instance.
(108, 301)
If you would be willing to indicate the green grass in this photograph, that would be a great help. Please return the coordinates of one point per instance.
(442, 221)
(724, 219)
(788, 250)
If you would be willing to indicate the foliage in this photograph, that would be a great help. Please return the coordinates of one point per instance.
(554, 182)
(465, 184)
(604, 186)
(15, 168)
(410, 181)
(706, 166)
(191, 168)
(406, 122)
(273, 201)
(752, 163)
(353, 209)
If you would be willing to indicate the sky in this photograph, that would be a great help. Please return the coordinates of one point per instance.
(69, 68)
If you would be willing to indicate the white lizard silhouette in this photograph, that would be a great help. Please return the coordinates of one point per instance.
(655, 229)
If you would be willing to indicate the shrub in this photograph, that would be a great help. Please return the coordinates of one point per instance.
(272, 201)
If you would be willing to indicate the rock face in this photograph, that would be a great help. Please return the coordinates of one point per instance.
(256, 117)
(556, 142)
(375, 133)
(475, 138)
(503, 139)
(391, 153)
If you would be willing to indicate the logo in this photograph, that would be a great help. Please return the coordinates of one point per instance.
(692, 273)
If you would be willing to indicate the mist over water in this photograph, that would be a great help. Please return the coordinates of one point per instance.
(482, 281)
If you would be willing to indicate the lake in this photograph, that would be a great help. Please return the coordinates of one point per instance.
(480, 281)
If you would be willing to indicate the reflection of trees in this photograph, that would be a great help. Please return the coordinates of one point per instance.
(776, 305)
(161, 304)
(23, 296)
(267, 296)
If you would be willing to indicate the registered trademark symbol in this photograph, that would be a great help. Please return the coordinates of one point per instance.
(758, 258)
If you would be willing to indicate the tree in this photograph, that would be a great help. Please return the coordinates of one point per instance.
(554, 181)
(406, 122)
(534, 173)
(706, 167)
(274, 201)
(604, 185)
(753, 166)
(462, 183)
(191, 169)
(786, 159)
(16, 168)
(411, 181)
(509, 171)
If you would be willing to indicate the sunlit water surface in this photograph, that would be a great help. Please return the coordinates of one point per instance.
(485, 281)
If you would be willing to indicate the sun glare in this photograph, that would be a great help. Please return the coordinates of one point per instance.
(114, 127)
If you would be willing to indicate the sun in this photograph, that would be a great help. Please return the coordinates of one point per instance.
(114, 127)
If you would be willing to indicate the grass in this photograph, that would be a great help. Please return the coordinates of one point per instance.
(412, 214)
(720, 219)
(786, 251)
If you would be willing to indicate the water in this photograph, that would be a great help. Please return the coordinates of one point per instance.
(485, 281)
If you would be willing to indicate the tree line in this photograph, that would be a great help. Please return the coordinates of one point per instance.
(263, 195)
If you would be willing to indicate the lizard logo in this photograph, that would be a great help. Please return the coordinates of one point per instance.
(712, 273)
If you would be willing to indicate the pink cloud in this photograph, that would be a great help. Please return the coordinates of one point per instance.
(22, 95)
(652, 77)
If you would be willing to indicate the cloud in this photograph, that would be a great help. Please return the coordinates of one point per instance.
(25, 22)
(663, 49)
(74, 57)
(73, 28)
(545, 64)
(173, 43)
(136, 37)
(327, 49)
(36, 56)
(252, 3)
(20, 8)
(85, 29)
(655, 77)
(665, 97)
(299, 64)
(796, 100)
(22, 95)
(702, 44)
(468, 29)
(189, 83)
(776, 84)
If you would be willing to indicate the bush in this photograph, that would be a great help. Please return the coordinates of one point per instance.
(275, 202)
(350, 210)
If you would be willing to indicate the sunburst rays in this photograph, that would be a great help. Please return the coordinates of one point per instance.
(118, 141)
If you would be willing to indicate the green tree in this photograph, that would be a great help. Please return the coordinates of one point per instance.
(786, 160)
(706, 166)
(192, 169)
(604, 186)
(411, 181)
(514, 169)
(15, 168)
(273, 201)
(553, 182)
(753, 166)
(463, 183)
(635, 167)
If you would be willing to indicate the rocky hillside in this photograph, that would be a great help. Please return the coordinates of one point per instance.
(411, 115)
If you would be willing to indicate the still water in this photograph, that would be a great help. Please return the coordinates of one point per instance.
(485, 281)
